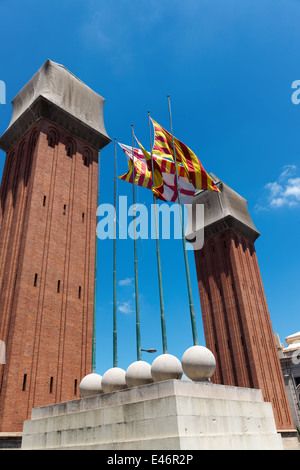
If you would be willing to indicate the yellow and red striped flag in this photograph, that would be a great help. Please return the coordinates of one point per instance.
(157, 186)
(165, 187)
(163, 147)
(142, 176)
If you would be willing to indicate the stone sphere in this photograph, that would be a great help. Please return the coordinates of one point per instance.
(166, 367)
(90, 385)
(198, 363)
(138, 373)
(113, 380)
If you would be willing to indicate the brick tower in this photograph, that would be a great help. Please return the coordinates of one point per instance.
(48, 202)
(236, 319)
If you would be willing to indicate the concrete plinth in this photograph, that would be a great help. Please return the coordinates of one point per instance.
(171, 415)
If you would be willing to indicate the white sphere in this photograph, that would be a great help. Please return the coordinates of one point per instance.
(113, 380)
(166, 367)
(138, 373)
(90, 385)
(198, 363)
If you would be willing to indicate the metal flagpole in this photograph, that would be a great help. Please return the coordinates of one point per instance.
(115, 340)
(137, 309)
(187, 269)
(162, 308)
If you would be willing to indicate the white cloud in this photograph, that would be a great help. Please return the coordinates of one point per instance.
(125, 307)
(293, 189)
(126, 282)
(274, 188)
(288, 170)
(285, 192)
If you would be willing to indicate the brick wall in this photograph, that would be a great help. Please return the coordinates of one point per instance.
(236, 320)
(47, 263)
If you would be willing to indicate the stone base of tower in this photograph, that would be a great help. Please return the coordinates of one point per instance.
(171, 415)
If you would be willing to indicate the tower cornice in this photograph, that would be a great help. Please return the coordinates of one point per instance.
(225, 210)
(57, 95)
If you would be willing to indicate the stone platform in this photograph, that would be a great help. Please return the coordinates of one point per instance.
(170, 415)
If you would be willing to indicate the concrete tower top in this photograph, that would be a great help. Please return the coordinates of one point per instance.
(293, 342)
(56, 94)
(224, 210)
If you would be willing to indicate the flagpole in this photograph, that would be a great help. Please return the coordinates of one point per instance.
(162, 308)
(115, 339)
(187, 269)
(137, 309)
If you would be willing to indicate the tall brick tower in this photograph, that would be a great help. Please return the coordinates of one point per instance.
(236, 319)
(48, 202)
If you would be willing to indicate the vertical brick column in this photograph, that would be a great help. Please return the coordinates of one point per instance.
(236, 319)
(48, 201)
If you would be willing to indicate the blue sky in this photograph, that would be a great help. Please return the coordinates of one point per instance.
(229, 68)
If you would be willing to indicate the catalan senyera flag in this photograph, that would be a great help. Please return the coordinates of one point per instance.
(165, 187)
(142, 176)
(157, 186)
(163, 147)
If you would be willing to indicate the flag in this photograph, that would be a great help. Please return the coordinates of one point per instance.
(142, 176)
(165, 187)
(163, 147)
(157, 185)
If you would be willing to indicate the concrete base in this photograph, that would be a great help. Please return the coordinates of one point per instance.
(171, 415)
